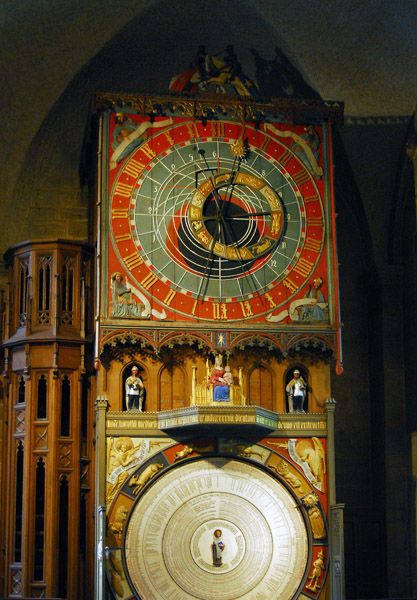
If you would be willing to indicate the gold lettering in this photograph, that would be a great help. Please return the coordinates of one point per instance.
(133, 260)
(149, 280)
(265, 144)
(290, 285)
(169, 138)
(285, 158)
(119, 213)
(148, 151)
(192, 130)
(246, 309)
(194, 307)
(122, 238)
(312, 245)
(303, 267)
(133, 168)
(300, 177)
(312, 198)
(220, 129)
(315, 221)
(270, 300)
(170, 296)
(123, 189)
(220, 312)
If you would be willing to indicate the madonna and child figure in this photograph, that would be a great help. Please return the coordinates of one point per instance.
(221, 379)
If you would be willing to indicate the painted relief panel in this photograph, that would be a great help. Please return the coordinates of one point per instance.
(219, 517)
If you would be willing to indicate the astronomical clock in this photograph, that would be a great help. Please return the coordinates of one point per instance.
(222, 218)
(217, 269)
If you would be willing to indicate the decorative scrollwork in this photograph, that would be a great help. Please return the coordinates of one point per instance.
(243, 109)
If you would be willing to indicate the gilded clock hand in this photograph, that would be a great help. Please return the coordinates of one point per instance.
(232, 181)
(239, 217)
(204, 279)
(247, 216)
(243, 265)
(217, 198)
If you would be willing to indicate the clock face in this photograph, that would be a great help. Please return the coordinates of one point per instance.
(216, 221)
(216, 528)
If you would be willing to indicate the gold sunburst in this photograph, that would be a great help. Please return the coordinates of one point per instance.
(239, 148)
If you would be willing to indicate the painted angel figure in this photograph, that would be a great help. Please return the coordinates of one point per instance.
(315, 458)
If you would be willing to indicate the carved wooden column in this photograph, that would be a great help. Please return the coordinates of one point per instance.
(47, 446)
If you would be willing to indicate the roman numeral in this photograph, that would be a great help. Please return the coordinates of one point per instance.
(290, 285)
(285, 158)
(125, 237)
(315, 221)
(220, 312)
(149, 280)
(303, 267)
(192, 130)
(148, 151)
(169, 138)
(270, 300)
(312, 245)
(133, 168)
(246, 309)
(119, 213)
(300, 177)
(133, 260)
(170, 296)
(313, 198)
(123, 189)
(265, 144)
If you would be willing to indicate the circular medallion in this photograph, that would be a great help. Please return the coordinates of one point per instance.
(216, 528)
(218, 546)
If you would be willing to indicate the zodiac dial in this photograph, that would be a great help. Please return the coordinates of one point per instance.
(216, 221)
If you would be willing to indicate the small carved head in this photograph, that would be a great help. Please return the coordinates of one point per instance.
(218, 360)
(124, 443)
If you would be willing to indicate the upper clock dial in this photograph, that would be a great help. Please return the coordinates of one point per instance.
(215, 233)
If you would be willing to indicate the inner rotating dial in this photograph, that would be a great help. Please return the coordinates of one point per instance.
(236, 216)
